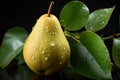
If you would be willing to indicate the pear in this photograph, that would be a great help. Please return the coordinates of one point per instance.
(46, 50)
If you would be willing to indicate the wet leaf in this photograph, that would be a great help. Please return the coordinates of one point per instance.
(116, 51)
(9, 50)
(12, 45)
(17, 33)
(90, 57)
(74, 15)
(98, 19)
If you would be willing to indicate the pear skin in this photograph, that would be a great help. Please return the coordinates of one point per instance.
(46, 50)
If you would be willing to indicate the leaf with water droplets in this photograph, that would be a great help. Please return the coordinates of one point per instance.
(98, 19)
(74, 15)
(116, 51)
(17, 33)
(90, 57)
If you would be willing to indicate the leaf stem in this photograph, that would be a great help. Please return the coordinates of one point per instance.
(73, 37)
(50, 8)
(112, 36)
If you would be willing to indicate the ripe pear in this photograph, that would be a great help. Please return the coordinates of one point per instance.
(46, 50)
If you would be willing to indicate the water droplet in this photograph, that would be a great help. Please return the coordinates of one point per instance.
(60, 63)
(52, 33)
(46, 40)
(55, 33)
(43, 52)
(46, 58)
(64, 48)
(47, 27)
(33, 57)
(103, 22)
(91, 28)
(52, 43)
(34, 48)
(61, 56)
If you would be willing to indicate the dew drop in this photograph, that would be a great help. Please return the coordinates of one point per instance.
(33, 57)
(52, 33)
(52, 43)
(43, 52)
(61, 56)
(103, 22)
(46, 40)
(64, 48)
(47, 27)
(46, 58)
(34, 48)
(60, 63)
(91, 28)
(55, 33)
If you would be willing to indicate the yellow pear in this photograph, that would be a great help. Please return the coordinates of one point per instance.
(46, 50)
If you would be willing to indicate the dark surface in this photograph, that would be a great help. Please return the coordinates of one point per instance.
(24, 13)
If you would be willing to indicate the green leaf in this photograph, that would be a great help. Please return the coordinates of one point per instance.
(9, 50)
(12, 45)
(74, 15)
(98, 19)
(116, 51)
(90, 57)
(17, 33)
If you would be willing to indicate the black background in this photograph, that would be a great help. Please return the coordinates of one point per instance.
(24, 13)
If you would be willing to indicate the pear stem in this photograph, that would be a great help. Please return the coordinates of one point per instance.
(50, 8)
